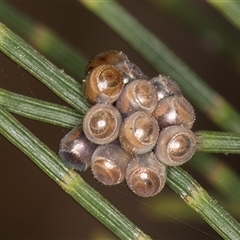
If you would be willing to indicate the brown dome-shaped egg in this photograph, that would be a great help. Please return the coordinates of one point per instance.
(109, 163)
(102, 123)
(139, 133)
(175, 145)
(174, 110)
(111, 57)
(138, 95)
(146, 176)
(103, 84)
(120, 61)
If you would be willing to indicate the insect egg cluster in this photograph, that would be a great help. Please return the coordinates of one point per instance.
(135, 128)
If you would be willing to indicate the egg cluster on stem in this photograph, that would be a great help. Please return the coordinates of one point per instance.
(136, 126)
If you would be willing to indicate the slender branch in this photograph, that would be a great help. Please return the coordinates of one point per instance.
(55, 79)
(230, 9)
(218, 142)
(68, 180)
(39, 110)
(198, 199)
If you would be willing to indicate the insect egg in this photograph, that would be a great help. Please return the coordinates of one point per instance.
(103, 84)
(138, 95)
(109, 163)
(174, 110)
(111, 57)
(120, 61)
(165, 87)
(131, 70)
(102, 123)
(145, 176)
(175, 146)
(76, 150)
(139, 133)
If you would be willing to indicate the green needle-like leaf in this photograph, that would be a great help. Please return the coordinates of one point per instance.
(198, 199)
(18, 135)
(39, 110)
(70, 181)
(230, 9)
(208, 29)
(55, 79)
(218, 142)
(219, 175)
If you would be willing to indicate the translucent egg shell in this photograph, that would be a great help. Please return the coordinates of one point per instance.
(76, 150)
(165, 87)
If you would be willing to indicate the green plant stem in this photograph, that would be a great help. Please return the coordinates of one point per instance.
(68, 180)
(230, 9)
(166, 62)
(61, 84)
(218, 142)
(198, 199)
(39, 110)
(178, 180)
(43, 39)
(211, 168)
(184, 185)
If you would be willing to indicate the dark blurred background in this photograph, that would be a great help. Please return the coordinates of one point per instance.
(31, 205)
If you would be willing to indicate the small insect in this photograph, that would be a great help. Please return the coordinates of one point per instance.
(136, 127)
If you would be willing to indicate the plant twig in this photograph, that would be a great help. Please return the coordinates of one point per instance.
(230, 9)
(39, 110)
(68, 180)
(55, 79)
(218, 142)
(198, 199)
